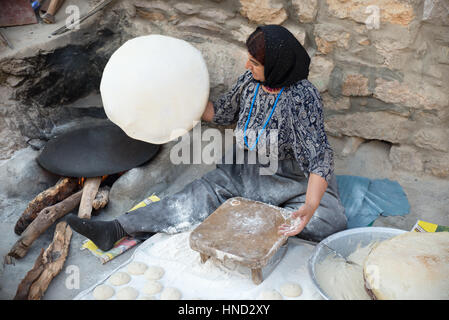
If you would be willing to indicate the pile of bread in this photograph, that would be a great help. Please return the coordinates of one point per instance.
(410, 266)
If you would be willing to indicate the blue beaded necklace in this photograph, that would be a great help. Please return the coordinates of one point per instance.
(266, 122)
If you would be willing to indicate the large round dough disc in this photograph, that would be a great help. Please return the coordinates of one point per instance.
(155, 88)
(410, 266)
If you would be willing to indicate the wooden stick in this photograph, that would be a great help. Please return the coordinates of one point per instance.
(101, 199)
(43, 221)
(90, 190)
(48, 264)
(53, 260)
(61, 190)
(31, 276)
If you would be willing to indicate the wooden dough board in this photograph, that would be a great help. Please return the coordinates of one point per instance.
(243, 231)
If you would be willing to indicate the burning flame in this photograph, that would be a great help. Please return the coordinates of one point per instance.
(82, 179)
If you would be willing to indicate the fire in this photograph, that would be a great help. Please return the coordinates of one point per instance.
(82, 179)
(103, 178)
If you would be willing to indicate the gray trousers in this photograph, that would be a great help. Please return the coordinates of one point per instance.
(286, 188)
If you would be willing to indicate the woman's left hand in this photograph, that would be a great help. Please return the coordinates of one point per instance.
(304, 214)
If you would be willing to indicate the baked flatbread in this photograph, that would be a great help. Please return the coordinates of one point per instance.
(410, 266)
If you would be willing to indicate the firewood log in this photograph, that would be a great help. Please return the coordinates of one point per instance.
(90, 190)
(47, 266)
(31, 276)
(101, 199)
(43, 221)
(61, 190)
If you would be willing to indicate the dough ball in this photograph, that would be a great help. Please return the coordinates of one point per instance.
(103, 292)
(137, 268)
(119, 278)
(127, 293)
(291, 289)
(270, 295)
(154, 273)
(152, 287)
(155, 87)
(171, 294)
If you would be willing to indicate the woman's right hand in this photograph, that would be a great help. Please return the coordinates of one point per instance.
(208, 114)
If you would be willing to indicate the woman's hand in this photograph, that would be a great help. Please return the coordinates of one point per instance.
(209, 112)
(302, 217)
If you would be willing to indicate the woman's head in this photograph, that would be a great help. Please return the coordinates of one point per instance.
(275, 57)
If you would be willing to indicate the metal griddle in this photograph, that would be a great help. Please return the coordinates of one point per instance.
(243, 231)
(95, 151)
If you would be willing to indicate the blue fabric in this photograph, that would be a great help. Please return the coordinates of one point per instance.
(366, 199)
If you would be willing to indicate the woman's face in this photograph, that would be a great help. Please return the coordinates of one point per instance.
(256, 68)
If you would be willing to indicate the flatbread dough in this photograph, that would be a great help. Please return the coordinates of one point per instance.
(127, 293)
(291, 289)
(170, 294)
(410, 266)
(152, 287)
(154, 273)
(103, 292)
(270, 295)
(137, 268)
(341, 280)
(155, 88)
(119, 279)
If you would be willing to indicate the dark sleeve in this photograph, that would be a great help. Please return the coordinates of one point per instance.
(227, 106)
(311, 145)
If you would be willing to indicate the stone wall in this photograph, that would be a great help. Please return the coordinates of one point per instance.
(382, 66)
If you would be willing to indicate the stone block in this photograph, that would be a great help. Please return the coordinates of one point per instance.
(306, 10)
(381, 125)
(355, 85)
(436, 12)
(335, 104)
(320, 70)
(328, 36)
(437, 164)
(418, 95)
(391, 11)
(263, 11)
(194, 22)
(406, 158)
(432, 138)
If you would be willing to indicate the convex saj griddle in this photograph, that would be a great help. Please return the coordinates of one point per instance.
(95, 151)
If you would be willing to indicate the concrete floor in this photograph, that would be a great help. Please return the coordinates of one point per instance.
(428, 197)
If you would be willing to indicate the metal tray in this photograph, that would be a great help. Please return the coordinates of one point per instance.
(346, 242)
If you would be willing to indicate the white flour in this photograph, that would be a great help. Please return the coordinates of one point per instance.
(215, 279)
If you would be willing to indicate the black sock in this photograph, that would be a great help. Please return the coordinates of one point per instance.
(103, 233)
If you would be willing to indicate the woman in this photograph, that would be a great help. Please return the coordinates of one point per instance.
(273, 95)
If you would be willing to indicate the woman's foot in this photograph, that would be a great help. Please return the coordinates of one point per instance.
(103, 233)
